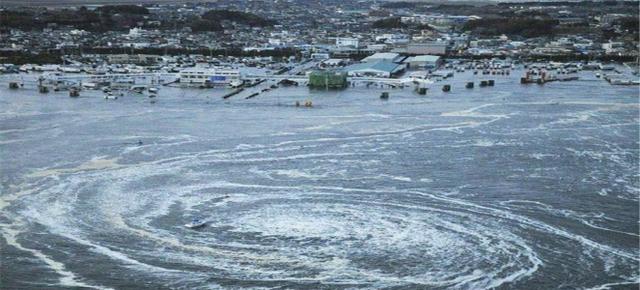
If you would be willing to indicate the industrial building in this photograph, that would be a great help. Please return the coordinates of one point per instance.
(384, 56)
(382, 68)
(424, 61)
(432, 47)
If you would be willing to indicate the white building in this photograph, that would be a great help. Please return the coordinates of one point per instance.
(210, 77)
(275, 41)
(392, 38)
(347, 42)
(135, 32)
(612, 47)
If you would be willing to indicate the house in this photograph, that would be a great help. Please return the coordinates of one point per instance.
(381, 68)
(424, 61)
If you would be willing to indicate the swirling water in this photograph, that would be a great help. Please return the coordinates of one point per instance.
(527, 187)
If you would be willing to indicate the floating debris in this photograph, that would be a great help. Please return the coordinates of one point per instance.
(231, 94)
(74, 93)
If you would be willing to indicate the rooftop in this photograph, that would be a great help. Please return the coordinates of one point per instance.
(381, 65)
(391, 56)
(425, 58)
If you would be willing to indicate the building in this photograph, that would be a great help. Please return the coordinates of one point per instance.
(392, 38)
(612, 47)
(424, 61)
(347, 42)
(320, 55)
(431, 47)
(133, 58)
(382, 68)
(136, 32)
(333, 62)
(328, 79)
(209, 77)
(384, 56)
(609, 19)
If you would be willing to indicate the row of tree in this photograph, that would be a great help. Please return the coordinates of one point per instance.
(105, 18)
(520, 26)
(396, 22)
(574, 3)
(119, 17)
(212, 20)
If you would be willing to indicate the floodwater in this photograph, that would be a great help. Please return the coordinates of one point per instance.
(512, 187)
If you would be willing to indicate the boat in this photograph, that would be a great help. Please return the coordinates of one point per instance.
(110, 96)
(90, 85)
(138, 88)
(236, 83)
(195, 223)
(153, 90)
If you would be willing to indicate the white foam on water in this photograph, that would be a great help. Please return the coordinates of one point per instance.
(67, 278)
(97, 163)
(451, 233)
(294, 173)
(608, 286)
(395, 177)
(541, 156)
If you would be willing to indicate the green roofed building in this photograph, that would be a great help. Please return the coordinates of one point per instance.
(328, 79)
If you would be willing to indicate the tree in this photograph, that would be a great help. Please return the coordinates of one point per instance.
(391, 22)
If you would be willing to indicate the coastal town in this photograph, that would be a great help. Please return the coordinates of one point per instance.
(397, 35)
(235, 43)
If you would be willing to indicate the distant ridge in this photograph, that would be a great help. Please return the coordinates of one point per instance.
(62, 3)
